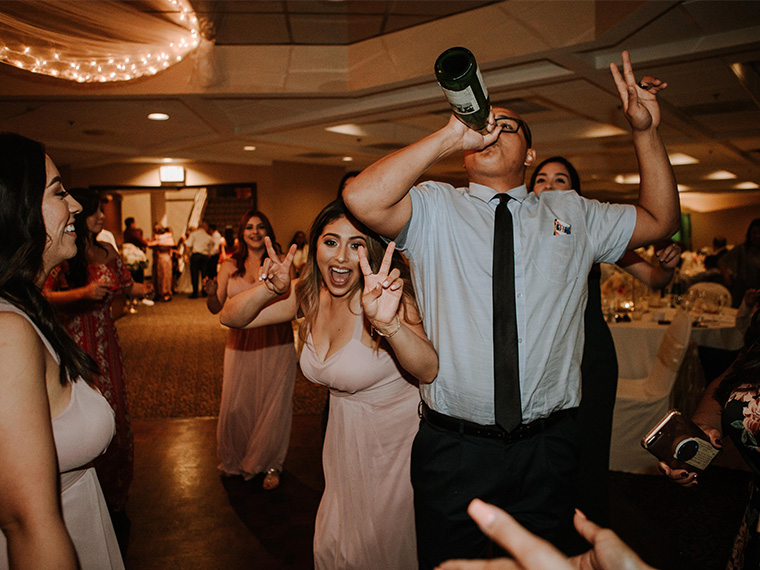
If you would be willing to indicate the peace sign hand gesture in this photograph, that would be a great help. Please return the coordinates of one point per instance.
(275, 273)
(639, 102)
(382, 292)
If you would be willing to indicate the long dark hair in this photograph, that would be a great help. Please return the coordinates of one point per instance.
(575, 180)
(76, 276)
(22, 243)
(753, 224)
(310, 284)
(241, 253)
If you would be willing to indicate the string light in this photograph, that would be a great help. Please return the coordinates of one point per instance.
(123, 61)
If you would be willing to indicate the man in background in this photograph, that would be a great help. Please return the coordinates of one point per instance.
(199, 246)
(213, 260)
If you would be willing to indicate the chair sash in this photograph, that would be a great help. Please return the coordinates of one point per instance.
(671, 352)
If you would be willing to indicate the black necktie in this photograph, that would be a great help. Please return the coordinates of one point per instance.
(505, 356)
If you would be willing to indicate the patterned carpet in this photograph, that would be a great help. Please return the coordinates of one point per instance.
(173, 355)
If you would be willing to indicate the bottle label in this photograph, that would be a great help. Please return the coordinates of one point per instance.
(464, 102)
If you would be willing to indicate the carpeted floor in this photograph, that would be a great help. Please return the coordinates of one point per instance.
(187, 384)
(672, 528)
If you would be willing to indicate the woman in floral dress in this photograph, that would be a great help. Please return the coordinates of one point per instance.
(82, 290)
(731, 406)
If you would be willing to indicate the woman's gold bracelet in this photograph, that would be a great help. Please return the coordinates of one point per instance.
(390, 334)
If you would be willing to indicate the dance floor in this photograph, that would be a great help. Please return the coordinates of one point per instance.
(184, 515)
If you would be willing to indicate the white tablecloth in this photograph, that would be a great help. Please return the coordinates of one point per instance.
(637, 342)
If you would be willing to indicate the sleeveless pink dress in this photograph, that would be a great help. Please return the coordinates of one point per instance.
(82, 432)
(256, 411)
(366, 516)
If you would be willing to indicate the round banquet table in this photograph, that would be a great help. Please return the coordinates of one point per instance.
(637, 342)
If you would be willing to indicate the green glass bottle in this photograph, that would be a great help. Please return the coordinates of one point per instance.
(459, 77)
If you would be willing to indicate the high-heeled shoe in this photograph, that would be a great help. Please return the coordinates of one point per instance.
(271, 479)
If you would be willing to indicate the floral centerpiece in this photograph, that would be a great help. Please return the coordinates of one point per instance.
(134, 257)
(616, 283)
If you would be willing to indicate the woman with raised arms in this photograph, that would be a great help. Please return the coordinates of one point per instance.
(363, 338)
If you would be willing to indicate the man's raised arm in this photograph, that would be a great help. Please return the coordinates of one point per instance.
(379, 195)
(658, 209)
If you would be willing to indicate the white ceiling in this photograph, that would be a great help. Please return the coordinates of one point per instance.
(280, 73)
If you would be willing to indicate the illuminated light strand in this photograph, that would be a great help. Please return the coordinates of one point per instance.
(108, 67)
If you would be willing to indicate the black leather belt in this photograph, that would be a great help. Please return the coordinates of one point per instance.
(523, 431)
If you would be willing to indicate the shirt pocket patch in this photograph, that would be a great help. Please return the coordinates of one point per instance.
(556, 255)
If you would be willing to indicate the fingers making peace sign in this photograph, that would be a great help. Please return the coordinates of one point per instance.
(382, 290)
(275, 272)
(638, 97)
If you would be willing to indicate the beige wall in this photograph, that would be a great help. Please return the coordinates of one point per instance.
(290, 194)
(731, 223)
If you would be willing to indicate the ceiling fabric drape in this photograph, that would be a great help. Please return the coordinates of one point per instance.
(96, 40)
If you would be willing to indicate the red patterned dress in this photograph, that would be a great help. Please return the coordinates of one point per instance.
(95, 331)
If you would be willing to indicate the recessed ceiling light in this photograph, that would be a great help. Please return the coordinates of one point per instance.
(747, 186)
(627, 179)
(350, 129)
(600, 131)
(679, 158)
(347, 158)
(158, 117)
(249, 147)
(720, 175)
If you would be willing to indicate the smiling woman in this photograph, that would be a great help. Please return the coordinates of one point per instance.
(58, 210)
(51, 419)
(82, 290)
(259, 369)
(348, 290)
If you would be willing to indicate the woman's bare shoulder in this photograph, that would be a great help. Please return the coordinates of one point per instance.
(19, 341)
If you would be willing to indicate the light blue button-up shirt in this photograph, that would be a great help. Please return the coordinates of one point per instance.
(558, 236)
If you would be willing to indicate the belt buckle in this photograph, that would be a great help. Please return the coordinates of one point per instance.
(523, 431)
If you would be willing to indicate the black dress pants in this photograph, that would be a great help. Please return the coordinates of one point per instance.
(532, 479)
(211, 265)
(198, 268)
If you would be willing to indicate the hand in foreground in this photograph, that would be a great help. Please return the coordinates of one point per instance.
(669, 256)
(639, 102)
(382, 291)
(686, 478)
(530, 552)
(275, 272)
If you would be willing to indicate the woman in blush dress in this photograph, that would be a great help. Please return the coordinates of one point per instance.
(164, 248)
(363, 338)
(259, 369)
(82, 290)
(302, 250)
(599, 369)
(52, 422)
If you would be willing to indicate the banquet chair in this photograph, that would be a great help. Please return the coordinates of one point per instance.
(641, 402)
(711, 295)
